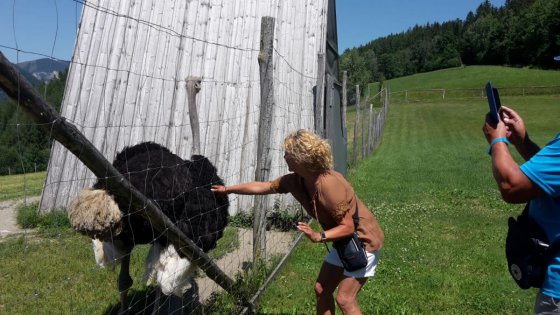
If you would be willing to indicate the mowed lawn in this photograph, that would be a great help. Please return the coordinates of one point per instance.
(431, 187)
(429, 183)
(18, 186)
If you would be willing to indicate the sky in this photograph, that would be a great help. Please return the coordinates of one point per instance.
(34, 29)
(48, 28)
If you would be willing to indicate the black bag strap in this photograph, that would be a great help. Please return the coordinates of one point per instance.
(356, 218)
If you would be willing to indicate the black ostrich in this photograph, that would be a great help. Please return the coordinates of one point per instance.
(181, 189)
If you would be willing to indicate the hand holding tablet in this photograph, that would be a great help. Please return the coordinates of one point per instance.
(493, 102)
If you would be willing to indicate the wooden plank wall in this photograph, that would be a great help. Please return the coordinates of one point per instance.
(127, 82)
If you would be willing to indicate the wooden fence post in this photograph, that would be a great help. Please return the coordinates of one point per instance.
(365, 130)
(319, 96)
(193, 87)
(371, 134)
(328, 108)
(264, 158)
(379, 125)
(48, 119)
(344, 104)
(355, 149)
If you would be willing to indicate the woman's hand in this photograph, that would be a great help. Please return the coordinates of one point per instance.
(219, 190)
(251, 188)
(308, 231)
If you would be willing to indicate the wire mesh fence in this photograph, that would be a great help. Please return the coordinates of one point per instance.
(122, 89)
(367, 124)
(422, 95)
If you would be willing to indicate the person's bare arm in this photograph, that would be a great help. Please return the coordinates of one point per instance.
(344, 229)
(514, 185)
(251, 188)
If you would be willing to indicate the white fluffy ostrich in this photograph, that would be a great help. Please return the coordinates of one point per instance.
(181, 189)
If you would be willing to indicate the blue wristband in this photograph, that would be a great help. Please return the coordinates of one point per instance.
(502, 139)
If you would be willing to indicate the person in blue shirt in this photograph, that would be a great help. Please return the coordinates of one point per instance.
(536, 181)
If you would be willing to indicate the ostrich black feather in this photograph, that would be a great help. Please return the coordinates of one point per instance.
(181, 189)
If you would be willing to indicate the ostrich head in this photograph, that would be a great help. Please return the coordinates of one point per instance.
(96, 214)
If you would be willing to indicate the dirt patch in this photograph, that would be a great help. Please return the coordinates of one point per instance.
(8, 215)
(277, 243)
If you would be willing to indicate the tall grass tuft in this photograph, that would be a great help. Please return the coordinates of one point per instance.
(28, 217)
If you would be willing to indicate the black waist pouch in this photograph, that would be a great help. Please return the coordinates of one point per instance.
(351, 250)
(527, 251)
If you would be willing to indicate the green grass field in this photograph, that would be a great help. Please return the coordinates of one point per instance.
(474, 77)
(431, 187)
(53, 271)
(429, 183)
(17, 186)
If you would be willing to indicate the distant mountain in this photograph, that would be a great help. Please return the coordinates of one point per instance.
(44, 69)
(40, 70)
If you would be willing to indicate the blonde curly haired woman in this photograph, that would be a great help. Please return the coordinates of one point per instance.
(328, 197)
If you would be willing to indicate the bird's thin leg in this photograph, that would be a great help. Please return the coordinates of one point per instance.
(157, 301)
(124, 282)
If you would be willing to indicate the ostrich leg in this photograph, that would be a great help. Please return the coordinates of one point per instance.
(157, 301)
(167, 304)
(124, 281)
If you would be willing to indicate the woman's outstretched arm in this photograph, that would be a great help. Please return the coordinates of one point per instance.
(251, 188)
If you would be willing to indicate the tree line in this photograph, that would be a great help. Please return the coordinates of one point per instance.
(24, 147)
(521, 33)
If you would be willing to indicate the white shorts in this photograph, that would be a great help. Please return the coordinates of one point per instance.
(368, 271)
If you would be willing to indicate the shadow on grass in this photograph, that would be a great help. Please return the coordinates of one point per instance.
(143, 302)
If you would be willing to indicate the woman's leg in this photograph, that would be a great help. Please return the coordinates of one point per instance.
(348, 290)
(327, 281)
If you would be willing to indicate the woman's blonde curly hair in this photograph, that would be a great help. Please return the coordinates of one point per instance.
(309, 150)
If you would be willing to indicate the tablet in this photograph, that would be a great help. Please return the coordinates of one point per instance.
(493, 102)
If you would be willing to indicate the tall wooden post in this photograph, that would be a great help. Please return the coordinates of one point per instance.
(329, 115)
(355, 148)
(344, 104)
(365, 130)
(371, 128)
(264, 158)
(320, 96)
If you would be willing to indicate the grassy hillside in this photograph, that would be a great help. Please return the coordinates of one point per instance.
(431, 187)
(474, 77)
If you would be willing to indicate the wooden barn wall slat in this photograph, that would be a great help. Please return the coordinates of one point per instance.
(127, 83)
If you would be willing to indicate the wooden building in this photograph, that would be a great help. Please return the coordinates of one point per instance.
(128, 82)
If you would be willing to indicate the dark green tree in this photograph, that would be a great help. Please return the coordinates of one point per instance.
(24, 147)
(520, 33)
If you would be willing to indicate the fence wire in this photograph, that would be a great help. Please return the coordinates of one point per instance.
(234, 252)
